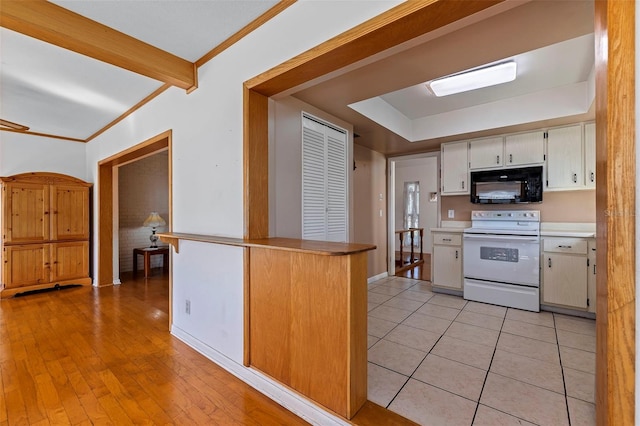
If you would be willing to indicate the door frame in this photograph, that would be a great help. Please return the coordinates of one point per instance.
(615, 139)
(107, 173)
(391, 200)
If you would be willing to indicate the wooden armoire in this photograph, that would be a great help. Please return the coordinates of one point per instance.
(45, 232)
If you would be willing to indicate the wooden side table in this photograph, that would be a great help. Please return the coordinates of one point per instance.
(147, 252)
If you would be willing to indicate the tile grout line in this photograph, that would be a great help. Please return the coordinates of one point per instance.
(409, 377)
(486, 376)
(564, 382)
(426, 355)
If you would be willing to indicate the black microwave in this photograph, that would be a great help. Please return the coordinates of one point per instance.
(507, 186)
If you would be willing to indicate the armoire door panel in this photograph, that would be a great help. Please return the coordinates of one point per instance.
(26, 213)
(26, 265)
(69, 212)
(69, 260)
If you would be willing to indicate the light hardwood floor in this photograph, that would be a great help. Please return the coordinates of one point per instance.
(105, 356)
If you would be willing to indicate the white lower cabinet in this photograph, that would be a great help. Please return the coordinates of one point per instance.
(447, 260)
(565, 270)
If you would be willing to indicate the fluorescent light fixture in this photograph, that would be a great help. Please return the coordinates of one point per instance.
(475, 79)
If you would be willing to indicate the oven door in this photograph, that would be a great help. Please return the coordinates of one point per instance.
(513, 259)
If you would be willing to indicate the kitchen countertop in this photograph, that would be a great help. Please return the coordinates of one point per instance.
(574, 234)
(568, 229)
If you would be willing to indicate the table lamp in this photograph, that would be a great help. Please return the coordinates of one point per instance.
(153, 221)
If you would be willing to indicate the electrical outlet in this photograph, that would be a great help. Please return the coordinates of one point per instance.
(187, 307)
(451, 214)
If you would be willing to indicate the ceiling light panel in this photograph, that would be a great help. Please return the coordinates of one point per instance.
(475, 79)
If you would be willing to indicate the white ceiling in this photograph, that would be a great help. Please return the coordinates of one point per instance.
(553, 81)
(557, 65)
(188, 29)
(58, 92)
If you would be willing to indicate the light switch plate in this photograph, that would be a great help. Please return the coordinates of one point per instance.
(451, 214)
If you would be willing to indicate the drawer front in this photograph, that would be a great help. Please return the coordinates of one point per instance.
(447, 239)
(565, 245)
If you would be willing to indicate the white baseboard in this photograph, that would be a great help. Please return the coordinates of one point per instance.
(377, 277)
(117, 282)
(293, 402)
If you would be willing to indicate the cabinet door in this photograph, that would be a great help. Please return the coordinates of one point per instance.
(25, 265)
(69, 212)
(455, 168)
(565, 158)
(525, 148)
(69, 260)
(447, 266)
(565, 280)
(26, 212)
(591, 276)
(486, 153)
(590, 155)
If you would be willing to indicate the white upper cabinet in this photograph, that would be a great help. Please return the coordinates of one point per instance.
(486, 153)
(455, 168)
(590, 155)
(524, 148)
(565, 158)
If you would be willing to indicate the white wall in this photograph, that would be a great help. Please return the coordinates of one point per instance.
(21, 153)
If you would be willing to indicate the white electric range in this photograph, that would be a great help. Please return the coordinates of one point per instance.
(501, 262)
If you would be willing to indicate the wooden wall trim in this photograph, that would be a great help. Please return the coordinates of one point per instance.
(59, 26)
(256, 165)
(251, 26)
(105, 230)
(615, 212)
(130, 111)
(402, 23)
(43, 135)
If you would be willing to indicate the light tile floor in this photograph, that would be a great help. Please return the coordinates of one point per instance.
(442, 360)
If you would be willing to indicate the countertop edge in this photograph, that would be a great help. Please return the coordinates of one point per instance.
(569, 234)
(276, 243)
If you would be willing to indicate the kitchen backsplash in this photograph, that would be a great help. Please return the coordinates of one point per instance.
(561, 206)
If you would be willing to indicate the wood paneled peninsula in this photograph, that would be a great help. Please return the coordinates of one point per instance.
(305, 315)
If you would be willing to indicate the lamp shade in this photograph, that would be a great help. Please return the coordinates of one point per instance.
(154, 220)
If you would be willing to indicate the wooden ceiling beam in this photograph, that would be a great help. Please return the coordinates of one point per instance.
(53, 24)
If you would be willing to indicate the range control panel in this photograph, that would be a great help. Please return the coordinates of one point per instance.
(519, 215)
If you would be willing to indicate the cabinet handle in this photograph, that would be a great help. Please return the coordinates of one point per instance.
(593, 177)
(462, 183)
(456, 254)
(497, 159)
(511, 158)
(567, 247)
(594, 269)
(575, 178)
(549, 262)
(446, 239)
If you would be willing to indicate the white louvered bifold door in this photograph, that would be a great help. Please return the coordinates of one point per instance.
(336, 186)
(324, 180)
